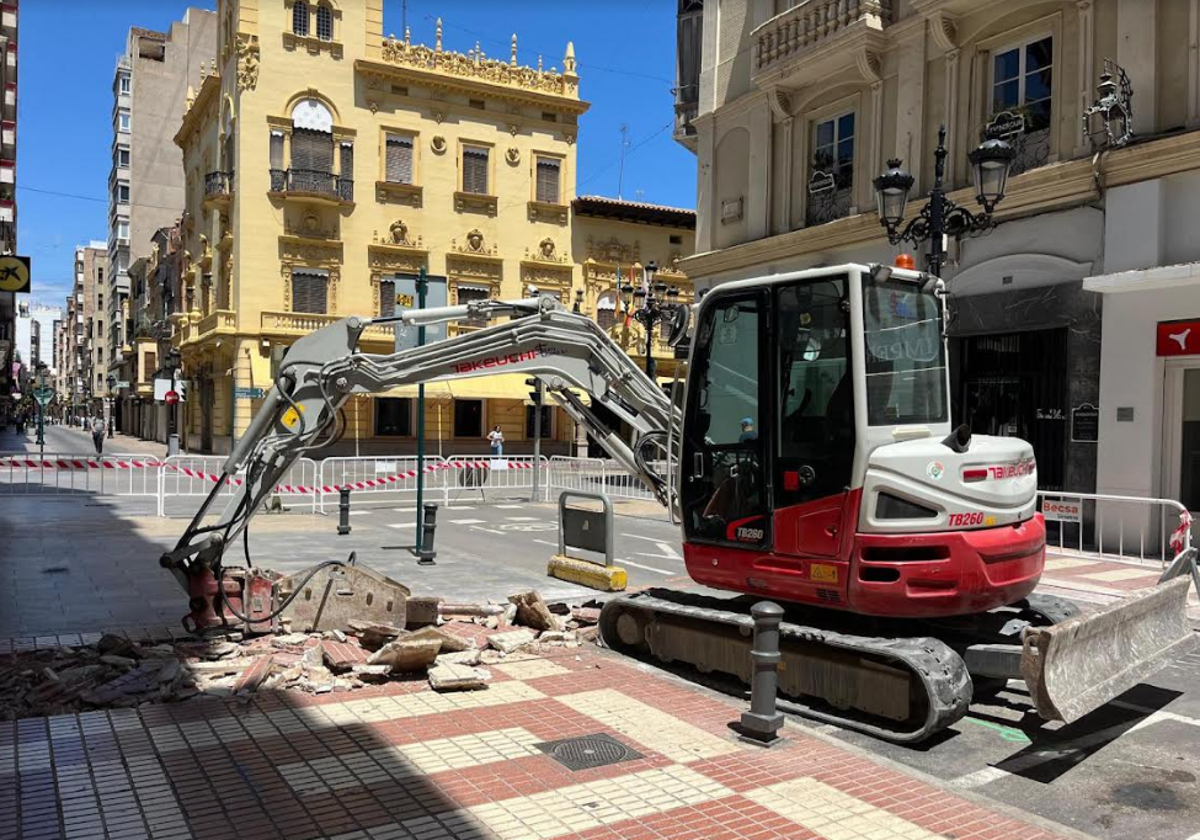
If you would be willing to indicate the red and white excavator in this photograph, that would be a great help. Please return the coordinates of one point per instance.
(816, 466)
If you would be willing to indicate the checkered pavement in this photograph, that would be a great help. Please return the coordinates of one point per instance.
(400, 761)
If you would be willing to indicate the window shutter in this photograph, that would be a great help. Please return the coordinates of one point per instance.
(475, 171)
(387, 298)
(399, 159)
(276, 150)
(309, 291)
(346, 161)
(470, 294)
(312, 150)
(547, 180)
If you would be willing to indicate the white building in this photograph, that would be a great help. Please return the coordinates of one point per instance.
(35, 333)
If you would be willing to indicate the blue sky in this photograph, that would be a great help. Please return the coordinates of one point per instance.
(625, 50)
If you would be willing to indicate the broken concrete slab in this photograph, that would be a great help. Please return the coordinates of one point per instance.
(406, 655)
(451, 677)
(289, 640)
(254, 676)
(464, 657)
(450, 643)
(511, 641)
(341, 656)
(532, 611)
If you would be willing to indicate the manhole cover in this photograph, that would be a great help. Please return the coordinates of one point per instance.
(588, 751)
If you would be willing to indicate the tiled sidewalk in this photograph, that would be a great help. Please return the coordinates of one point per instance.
(1091, 575)
(402, 762)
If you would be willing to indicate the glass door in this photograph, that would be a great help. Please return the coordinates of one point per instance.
(724, 489)
(1187, 456)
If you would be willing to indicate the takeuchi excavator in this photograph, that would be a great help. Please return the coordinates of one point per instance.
(814, 464)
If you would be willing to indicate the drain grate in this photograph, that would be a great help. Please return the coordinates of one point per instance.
(587, 751)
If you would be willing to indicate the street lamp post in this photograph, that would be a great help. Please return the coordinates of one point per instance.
(941, 217)
(172, 365)
(656, 303)
(112, 403)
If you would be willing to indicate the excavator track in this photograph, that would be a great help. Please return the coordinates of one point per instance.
(901, 689)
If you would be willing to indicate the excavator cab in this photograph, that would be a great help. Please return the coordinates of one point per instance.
(817, 408)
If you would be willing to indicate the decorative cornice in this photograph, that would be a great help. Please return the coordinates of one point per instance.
(470, 86)
(943, 30)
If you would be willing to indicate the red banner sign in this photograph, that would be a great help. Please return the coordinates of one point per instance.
(1178, 338)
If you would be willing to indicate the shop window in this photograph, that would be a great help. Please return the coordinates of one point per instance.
(468, 418)
(547, 420)
(393, 417)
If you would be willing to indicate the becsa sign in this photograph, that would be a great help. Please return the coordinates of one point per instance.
(1062, 511)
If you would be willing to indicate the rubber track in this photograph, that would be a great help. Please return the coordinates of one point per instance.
(940, 670)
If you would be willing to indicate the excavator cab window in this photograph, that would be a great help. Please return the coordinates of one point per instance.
(725, 493)
(815, 442)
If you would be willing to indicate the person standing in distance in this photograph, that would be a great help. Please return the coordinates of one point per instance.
(496, 439)
(98, 434)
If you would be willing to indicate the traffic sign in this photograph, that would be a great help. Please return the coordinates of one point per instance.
(121, 383)
(14, 274)
(248, 393)
(43, 395)
(171, 397)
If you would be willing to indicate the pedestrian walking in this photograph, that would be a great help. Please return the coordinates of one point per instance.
(98, 434)
(496, 439)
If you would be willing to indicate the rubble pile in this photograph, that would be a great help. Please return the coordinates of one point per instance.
(451, 654)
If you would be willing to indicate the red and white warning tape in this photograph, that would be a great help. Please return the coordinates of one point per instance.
(293, 489)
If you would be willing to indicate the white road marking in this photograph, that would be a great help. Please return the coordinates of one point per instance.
(546, 542)
(1159, 717)
(668, 553)
(523, 519)
(404, 510)
(360, 512)
(401, 524)
(467, 521)
(459, 507)
(980, 777)
(654, 540)
(489, 530)
(647, 568)
(509, 507)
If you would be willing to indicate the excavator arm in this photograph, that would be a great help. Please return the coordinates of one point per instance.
(321, 371)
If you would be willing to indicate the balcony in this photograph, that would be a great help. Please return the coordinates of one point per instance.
(8, 139)
(786, 39)
(685, 132)
(297, 324)
(10, 100)
(312, 183)
(220, 322)
(218, 188)
(8, 19)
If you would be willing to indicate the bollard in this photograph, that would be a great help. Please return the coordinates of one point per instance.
(343, 511)
(762, 723)
(428, 529)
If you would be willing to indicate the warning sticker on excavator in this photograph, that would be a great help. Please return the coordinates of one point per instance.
(292, 416)
(823, 573)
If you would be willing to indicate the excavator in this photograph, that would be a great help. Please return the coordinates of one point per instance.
(813, 463)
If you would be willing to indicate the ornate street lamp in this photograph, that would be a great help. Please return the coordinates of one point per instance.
(656, 303)
(990, 164)
(112, 402)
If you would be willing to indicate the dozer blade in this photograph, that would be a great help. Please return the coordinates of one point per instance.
(1080, 664)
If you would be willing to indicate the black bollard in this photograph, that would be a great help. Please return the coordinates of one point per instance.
(428, 529)
(762, 723)
(343, 511)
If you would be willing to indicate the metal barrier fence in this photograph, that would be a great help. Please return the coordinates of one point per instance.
(195, 475)
(481, 474)
(1145, 528)
(379, 479)
(598, 475)
(66, 473)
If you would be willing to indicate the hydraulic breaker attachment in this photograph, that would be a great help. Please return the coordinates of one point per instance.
(1080, 664)
(334, 595)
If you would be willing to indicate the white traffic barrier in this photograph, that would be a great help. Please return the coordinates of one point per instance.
(379, 479)
(60, 473)
(501, 472)
(195, 475)
(598, 475)
(1120, 527)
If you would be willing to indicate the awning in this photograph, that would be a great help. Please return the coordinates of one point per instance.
(502, 386)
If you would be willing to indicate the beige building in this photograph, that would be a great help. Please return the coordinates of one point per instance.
(146, 174)
(326, 166)
(792, 108)
(8, 185)
(79, 342)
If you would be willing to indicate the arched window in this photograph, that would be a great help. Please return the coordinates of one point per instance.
(324, 22)
(300, 17)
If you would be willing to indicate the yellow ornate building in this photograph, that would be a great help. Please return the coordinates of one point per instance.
(327, 164)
